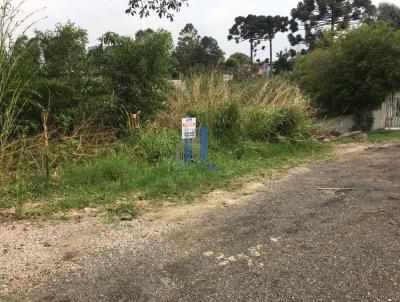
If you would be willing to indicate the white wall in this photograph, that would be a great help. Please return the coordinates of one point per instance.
(345, 123)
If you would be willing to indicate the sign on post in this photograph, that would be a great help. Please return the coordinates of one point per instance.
(189, 128)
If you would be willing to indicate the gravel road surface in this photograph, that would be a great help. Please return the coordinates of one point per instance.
(293, 240)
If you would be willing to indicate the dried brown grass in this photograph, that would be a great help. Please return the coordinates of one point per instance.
(206, 93)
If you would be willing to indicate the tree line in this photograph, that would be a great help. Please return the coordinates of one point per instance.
(307, 23)
(57, 73)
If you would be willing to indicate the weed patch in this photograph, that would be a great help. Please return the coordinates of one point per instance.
(254, 126)
(106, 180)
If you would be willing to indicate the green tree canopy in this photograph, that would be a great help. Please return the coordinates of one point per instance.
(355, 74)
(140, 34)
(314, 16)
(193, 51)
(163, 8)
(239, 65)
(61, 57)
(271, 26)
(210, 52)
(241, 58)
(136, 70)
(187, 50)
(284, 62)
(389, 12)
(249, 29)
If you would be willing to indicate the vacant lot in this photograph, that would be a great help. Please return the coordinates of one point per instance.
(289, 241)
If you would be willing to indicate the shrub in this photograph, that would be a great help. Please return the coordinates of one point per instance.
(204, 95)
(287, 121)
(137, 70)
(353, 74)
(15, 82)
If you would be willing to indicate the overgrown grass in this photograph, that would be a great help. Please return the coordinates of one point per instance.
(114, 179)
(254, 126)
(205, 95)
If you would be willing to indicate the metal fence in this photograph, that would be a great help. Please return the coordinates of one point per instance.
(392, 111)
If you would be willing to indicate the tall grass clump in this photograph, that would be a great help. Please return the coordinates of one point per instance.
(261, 109)
(224, 121)
(14, 86)
(155, 145)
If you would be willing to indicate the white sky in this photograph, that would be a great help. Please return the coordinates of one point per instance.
(210, 17)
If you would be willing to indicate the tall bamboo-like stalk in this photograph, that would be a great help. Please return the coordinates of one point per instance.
(46, 153)
(13, 22)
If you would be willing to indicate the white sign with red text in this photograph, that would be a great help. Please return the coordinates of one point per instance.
(189, 128)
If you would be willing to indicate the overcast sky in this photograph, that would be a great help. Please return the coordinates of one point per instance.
(210, 17)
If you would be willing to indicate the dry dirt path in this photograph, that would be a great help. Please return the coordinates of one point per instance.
(287, 242)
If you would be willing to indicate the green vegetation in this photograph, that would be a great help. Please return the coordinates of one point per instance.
(116, 181)
(389, 12)
(316, 16)
(98, 127)
(195, 53)
(254, 126)
(359, 72)
(256, 29)
(163, 8)
(384, 136)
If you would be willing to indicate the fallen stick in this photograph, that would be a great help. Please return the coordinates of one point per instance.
(374, 212)
(335, 189)
(351, 134)
(79, 155)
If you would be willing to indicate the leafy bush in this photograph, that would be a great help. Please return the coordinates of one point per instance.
(157, 145)
(15, 82)
(136, 70)
(287, 121)
(74, 83)
(360, 69)
(60, 82)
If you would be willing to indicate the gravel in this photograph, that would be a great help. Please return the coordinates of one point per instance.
(31, 252)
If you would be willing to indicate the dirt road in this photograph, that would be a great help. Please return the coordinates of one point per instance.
(288, 242)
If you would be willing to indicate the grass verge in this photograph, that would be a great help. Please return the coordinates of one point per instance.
(385, 136)
(381, 136)
(116, 182)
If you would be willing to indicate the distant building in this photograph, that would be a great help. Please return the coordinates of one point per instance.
(265, 69)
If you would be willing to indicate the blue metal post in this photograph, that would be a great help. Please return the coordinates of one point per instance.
(203, 143)
(188, 150)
